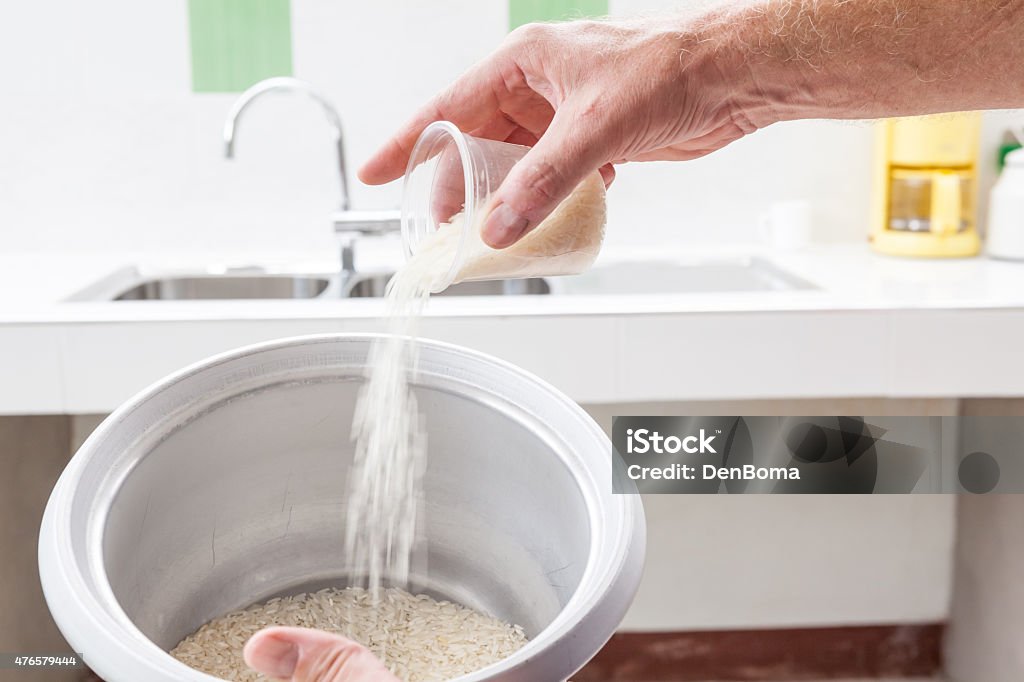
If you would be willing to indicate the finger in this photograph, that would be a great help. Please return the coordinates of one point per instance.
(567, 152)
(521, 107)
(509, 120)
(303, 655)
(498, 128)
(468, 103)
(523, 137)
(448, 188)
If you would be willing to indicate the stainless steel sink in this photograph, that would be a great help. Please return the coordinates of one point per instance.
(704, 276)
(129, 284)
(370, 286)
(224, 287)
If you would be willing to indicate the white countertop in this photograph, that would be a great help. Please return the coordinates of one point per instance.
(873, 326)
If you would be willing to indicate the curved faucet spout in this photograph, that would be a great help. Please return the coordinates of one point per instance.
(286, 84)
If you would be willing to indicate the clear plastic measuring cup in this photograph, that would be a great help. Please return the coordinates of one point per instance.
(450, 179)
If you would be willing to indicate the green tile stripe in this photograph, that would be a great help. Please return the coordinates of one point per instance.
(236, 43)
(524, 11)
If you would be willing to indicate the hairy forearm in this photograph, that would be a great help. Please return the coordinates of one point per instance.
(790, 59)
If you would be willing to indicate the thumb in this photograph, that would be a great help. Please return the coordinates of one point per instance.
(304, 655)
(565, 154)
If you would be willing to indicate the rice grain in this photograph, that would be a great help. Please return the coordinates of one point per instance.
(419, 638)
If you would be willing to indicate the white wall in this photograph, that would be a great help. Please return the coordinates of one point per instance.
(763, 561)
(105, 146)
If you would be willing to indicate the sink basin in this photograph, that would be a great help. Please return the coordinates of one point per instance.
(224, 287)
(704, 276)
(667, 277)
(371, 286)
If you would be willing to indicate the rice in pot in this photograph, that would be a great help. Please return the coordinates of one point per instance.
(419, 638)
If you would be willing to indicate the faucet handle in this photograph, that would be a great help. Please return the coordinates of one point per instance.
(367, 222)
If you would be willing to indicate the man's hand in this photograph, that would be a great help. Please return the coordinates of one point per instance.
(303, 655)
(584, 95)
(590, 94)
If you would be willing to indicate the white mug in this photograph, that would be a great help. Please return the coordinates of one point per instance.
(786, 225)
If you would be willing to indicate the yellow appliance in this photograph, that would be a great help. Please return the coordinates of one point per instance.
(926, 186)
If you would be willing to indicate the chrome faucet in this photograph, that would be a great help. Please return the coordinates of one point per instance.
(284, 84)
(348, 224)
